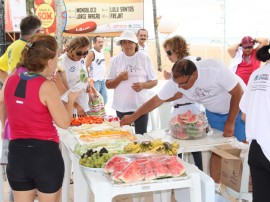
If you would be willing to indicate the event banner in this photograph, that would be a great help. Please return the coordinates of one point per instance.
(45, 10)
(15, 11)
(103, 17)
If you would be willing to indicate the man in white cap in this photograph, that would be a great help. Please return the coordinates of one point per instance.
(131, 74)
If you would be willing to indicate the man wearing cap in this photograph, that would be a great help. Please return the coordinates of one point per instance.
(142, 36)
(244, 60)
(131, 75)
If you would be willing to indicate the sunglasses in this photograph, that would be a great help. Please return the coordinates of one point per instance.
(184, 83)
(169, 52)
(80, 53)
(248, 47)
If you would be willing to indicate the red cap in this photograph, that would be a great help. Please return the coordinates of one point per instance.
(247, 41)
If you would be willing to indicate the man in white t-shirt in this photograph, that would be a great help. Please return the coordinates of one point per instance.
(95, 66)
(210, 83)
(142, 36)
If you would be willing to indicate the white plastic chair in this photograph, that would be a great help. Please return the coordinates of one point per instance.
(208, 190)
(183, 195)
(243, 194)
(164, 111)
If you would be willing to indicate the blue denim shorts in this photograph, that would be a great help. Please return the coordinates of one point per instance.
(218, 121)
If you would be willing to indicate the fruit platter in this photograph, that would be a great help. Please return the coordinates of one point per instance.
(156, 146)
(94, 160)
(113, 146)
(131, 168)
(86, 120)
(91, 133)
(189, 126)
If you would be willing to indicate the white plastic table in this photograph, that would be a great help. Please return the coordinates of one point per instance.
(204, 144)
(104, 190)
(81, 190)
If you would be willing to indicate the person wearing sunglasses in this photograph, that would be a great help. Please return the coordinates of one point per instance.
(244, 60)
(210, 83)
(177, 48)
(131, 75)
(73, 63)
(33, 107)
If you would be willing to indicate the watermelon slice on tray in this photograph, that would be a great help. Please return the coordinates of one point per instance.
(130, 168)
(116, 163)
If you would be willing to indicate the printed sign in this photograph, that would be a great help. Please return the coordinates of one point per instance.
(101, 17)
(45, 10)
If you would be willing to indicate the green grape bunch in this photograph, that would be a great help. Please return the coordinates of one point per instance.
(94, 159)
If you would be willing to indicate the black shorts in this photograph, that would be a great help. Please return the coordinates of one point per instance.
(35, 164)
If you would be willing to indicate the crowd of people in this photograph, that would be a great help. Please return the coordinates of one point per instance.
(35, 76)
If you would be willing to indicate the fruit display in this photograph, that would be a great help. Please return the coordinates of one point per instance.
(95, 159)
(112, 134)
(142, 167)
(86, 119)
(188, 126)
(89, 133)
(113, 146)
(156, 146)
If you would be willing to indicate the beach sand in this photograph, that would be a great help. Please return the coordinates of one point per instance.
(203, 51)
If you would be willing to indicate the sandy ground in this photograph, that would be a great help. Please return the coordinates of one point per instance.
(203, 51)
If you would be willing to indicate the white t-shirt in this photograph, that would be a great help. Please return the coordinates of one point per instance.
(97, 68)
(140, 69)
(255, 103)
(143, 49)
(73, 70)
(211, 88)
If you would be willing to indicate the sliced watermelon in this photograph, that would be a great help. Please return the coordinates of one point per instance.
(186, 115)
(132, 173)
(116, 163)
(176, 168)
(192, 119)
(161, 169)
(150, 171)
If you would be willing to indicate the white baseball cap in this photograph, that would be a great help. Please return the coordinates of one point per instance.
(127, 35)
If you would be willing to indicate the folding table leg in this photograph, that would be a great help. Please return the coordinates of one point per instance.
(1, 184)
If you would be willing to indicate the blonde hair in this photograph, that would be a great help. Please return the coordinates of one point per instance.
(77, 43)
(178, 45)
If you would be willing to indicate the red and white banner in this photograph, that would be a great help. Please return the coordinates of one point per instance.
(45, 10)
(15, 11)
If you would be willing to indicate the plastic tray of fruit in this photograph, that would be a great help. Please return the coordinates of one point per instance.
(143, 168)
(97, 170)
(94, 160)
(189, 126)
